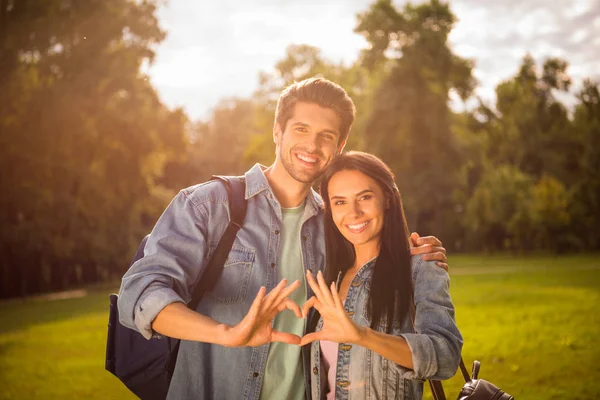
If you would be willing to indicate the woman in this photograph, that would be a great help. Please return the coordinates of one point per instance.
(364, 344)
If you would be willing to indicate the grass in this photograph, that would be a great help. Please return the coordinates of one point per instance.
(532, 322)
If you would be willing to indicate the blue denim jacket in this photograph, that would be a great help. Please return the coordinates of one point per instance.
(363, 374)
(176, 253)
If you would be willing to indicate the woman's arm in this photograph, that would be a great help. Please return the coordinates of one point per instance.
(433, 352)
(437, 345)
(338, 327)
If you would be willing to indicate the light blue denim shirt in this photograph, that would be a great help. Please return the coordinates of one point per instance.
(364, 374)
(175, 256)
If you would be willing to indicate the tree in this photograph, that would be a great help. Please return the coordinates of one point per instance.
(410, 124)
(83, 140)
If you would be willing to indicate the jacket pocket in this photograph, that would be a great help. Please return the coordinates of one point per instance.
(232, 285)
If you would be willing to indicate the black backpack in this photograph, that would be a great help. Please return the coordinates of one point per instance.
(146, 366)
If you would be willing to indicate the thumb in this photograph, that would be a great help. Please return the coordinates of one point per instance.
(310, 337)
(284, 337)
(413, 239)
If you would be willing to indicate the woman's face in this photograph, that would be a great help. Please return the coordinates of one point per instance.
(358, 207)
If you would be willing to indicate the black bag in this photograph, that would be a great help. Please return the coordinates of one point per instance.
(146, 366)
(474, 388)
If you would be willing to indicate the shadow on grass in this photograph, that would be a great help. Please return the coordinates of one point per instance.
(18, 315)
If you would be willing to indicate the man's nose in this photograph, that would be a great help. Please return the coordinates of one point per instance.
(312, 144)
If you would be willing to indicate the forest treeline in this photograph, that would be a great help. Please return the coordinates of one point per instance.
(89, 156)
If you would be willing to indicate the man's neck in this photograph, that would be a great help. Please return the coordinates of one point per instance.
(288, 191)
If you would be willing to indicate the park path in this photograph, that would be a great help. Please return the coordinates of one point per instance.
(512, 269)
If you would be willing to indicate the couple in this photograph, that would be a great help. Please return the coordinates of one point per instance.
(239, 343)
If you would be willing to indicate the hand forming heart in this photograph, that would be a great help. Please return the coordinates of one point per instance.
(337, 325)
(256, 328)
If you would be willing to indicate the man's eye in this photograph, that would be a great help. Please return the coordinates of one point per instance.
(301, 129)
(338, 202)
(366, 197)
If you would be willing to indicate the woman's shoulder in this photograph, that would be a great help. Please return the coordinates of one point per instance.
(423, 269)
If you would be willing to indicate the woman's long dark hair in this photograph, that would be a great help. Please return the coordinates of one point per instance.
(391, 287)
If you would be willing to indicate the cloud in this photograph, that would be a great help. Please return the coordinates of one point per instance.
(215, 50)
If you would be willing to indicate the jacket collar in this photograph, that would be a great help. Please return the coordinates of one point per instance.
(256, 182)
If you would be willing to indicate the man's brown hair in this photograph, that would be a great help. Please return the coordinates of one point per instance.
(318, 91)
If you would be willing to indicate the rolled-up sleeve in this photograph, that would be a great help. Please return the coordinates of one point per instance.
(436, 348)
(173, 260)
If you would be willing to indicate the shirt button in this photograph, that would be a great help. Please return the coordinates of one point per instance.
(305, 238)
(315, 370)
(255, 374)
(272, 265)
(277, 231)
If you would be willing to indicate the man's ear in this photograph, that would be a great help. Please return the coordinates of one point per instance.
(341, 146)
(276, 133)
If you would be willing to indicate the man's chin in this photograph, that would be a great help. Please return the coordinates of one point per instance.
(305, 176)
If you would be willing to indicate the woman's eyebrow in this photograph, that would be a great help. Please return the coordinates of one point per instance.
(357, 194)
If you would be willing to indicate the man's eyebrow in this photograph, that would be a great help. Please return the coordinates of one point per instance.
(335, 133)
(304, 124)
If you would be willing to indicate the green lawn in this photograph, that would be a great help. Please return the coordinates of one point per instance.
(532, 322)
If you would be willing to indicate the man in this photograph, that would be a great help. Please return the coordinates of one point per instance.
(233, 346)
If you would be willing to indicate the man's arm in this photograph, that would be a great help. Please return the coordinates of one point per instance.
(156, 288)
(178, 321)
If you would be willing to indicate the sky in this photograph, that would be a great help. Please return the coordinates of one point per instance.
(215, 49)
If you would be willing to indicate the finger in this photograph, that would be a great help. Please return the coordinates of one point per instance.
(325, 290)
(435, 256)
(442, 265)
(307, 305)
(290, 305)
(314, 285)
(255, 307)
(429, 240)
(284, 337)
(422, 249)
(287, 291)
(311, 337)
(413, 239)
(273, 294)
(336, 296)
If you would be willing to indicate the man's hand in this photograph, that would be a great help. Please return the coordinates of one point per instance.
(256, 328)
(431, 248)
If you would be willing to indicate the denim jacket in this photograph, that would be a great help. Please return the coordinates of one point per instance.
(175, 256)
(364, 374)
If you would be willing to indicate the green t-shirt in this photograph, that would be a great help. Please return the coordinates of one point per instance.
(284, 378)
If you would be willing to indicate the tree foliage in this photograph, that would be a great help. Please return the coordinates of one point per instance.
(84, 140)
(89, 156)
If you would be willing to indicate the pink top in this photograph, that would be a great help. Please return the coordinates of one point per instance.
(329, 354)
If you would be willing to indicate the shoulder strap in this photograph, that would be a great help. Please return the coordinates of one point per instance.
(236, 190)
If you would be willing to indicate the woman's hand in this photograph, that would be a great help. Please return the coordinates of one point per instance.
(256, 328)
(337, 326)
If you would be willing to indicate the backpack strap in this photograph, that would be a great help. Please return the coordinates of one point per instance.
(236, 193)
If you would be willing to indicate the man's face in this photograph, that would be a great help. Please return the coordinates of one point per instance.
(309, 142)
